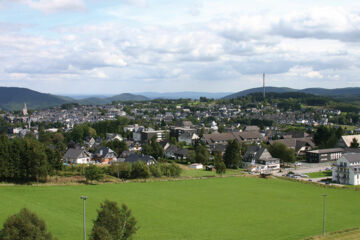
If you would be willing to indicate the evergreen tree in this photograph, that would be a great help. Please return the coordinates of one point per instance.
(201, 154)
(219, 163)
(232, 156)
(354, 143)
(113, 223)
(25, 226)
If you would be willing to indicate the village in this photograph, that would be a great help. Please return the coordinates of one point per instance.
(179, 125)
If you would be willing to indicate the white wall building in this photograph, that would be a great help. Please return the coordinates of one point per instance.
(347, 169)
(196, 166)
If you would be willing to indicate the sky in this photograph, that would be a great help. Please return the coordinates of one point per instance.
(115, 46)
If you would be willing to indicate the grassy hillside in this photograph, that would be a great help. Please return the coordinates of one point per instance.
(217, 208)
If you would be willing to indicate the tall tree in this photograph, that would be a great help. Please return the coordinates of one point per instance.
(280, 150)
(201, 154)
(114, 223)
(25, 226)
(232, 156)
(219, 163)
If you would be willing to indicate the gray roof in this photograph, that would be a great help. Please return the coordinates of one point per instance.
(74, 153)
(352, 157)
(105, 152)
(328, 150)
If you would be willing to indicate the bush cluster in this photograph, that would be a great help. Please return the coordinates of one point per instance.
(141, 170)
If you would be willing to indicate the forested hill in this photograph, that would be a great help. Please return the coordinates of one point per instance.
(13, 98)
(337, 92)
(117, 98)
(295, 101)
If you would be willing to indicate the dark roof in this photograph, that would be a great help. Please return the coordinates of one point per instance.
(176, 150)
(133, 158)
(104, 151)
(220, 147)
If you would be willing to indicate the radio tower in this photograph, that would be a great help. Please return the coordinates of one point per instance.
(264, 85)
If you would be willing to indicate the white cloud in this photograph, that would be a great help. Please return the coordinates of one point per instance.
(222, 52)
(314, 74)
(137, 3)
(54, 6)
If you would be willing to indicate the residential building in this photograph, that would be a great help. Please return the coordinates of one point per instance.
(77, 156)
(347, 169)
(260, 158)
(323, 155)
(105, 155)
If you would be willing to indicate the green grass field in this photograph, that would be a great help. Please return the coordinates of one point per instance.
(216, 208)
(319, 174)
(194, 173)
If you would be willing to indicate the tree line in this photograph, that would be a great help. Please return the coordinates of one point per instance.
(24, 160)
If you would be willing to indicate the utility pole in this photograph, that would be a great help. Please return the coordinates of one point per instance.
(84, 199)
(324, 208)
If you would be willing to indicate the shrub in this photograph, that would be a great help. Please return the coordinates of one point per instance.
(155, 170)
(140, 170)
(120, 170)
(93, 173)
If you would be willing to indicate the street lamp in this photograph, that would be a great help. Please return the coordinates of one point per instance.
(84, 198)
(324, 207)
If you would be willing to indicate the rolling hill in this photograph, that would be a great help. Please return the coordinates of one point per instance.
(107, 100)
(337, 92)
(13, 98)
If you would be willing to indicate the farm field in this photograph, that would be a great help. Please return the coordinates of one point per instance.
(215, 208)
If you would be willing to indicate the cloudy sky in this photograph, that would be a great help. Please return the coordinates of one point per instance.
(115, 46)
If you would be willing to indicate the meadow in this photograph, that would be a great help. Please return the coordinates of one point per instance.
(214, 208)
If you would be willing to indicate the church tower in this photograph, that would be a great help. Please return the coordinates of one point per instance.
(25, 112)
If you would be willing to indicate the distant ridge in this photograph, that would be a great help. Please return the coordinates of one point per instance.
(186, 94)
(107, 100)
(13, 98)
(337, 92)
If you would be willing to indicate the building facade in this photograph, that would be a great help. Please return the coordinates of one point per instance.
(347, 169)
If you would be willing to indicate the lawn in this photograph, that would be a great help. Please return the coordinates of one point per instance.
(319, 174)
(193, 173)
(215, 208)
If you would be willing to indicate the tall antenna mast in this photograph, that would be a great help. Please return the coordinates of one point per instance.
(264, 85)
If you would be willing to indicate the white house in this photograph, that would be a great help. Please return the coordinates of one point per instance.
(347, 169)
(259, 159)
(196, 166)
(77, 156)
